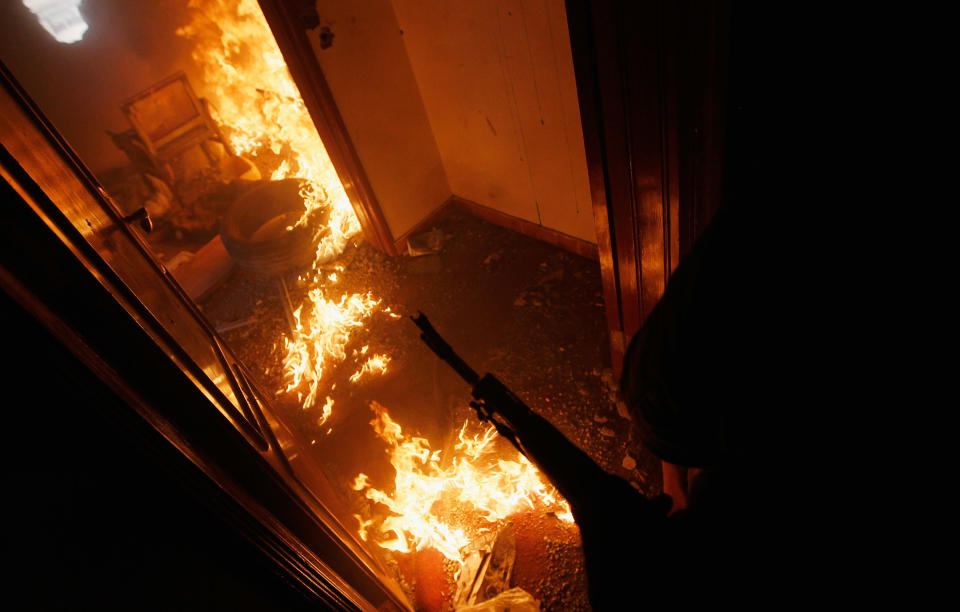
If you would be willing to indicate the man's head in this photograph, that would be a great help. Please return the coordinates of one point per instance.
(687, 374)
(676, 407)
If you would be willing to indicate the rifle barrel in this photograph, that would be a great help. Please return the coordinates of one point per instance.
(443, 350)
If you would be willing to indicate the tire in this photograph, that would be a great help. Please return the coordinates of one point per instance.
(254, 229)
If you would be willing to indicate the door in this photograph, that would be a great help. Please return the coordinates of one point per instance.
(651, 81)
(283, 511)
(143, 282)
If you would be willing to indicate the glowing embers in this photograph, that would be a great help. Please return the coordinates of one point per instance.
(477, 484)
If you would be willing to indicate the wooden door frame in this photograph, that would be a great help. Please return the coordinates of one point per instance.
(49, 267)
(292, 23)
(651, 82)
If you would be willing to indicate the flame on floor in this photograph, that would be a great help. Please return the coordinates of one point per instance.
(476, 483)
(261, 112)
(319, 339)
(377, 364)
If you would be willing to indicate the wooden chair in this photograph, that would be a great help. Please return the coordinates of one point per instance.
(170, 119)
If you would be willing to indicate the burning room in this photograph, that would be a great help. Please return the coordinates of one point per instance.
(272, 190)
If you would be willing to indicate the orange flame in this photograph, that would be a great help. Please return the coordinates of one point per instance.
(377, 364)
(260, 108)
(492, 489)
(261, 111)
(327, 411)
(320, 336)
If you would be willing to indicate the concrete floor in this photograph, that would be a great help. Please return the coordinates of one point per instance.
(528, 312)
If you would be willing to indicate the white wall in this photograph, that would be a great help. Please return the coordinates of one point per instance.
(376, 93)
(496, 78)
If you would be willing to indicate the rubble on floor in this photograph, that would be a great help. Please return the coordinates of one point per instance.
(528, 312)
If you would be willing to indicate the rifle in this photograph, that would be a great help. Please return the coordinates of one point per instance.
(596, 498)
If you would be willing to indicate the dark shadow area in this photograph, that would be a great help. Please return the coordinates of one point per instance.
(93, 520)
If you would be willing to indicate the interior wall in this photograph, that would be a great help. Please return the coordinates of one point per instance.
(497, 81)
(373, 85)
(80, 86)
(475, 99)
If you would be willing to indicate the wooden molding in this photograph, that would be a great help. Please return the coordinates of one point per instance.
(400, 245)
(584, 49)
(566, 242)
(527, 228)
(651, 82)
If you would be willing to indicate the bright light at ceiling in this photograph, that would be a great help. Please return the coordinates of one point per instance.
(61, 18)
